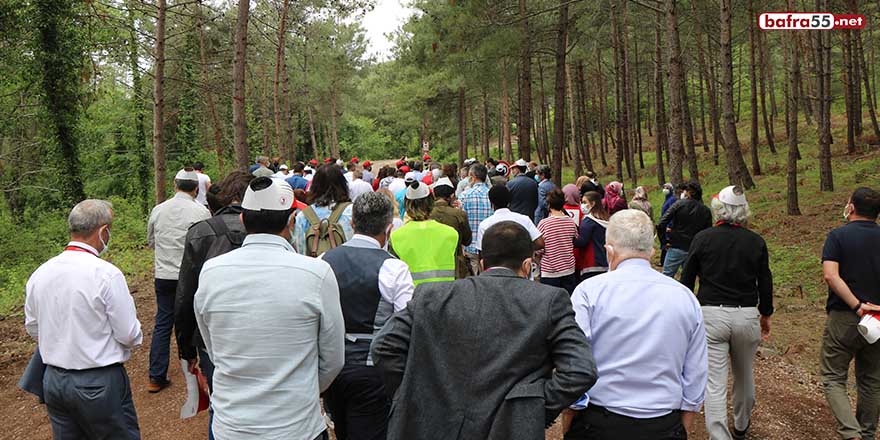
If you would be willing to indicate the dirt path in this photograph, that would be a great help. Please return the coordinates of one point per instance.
(790, 404)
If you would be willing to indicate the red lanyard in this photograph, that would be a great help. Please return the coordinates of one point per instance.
(79, 249)
(722, 222)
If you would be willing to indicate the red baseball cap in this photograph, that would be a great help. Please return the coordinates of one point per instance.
(328, 160)
(400, 163)
(355, 159)
(313, 162)
(426, 157)
(404, 168)
(367, 163)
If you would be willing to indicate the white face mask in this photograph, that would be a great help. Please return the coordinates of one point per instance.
(846, 214)
(683, 196)
(104, 245)
(665, 191)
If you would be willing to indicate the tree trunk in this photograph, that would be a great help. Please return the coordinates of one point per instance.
(159, 104)
(209, 97)
(626, 101)
(505, 115)
(676, 149)
(462, 133)
(691, 153)
(860, 58)
(334, 114)
(823, 87)
(525, 98)
(737, 172)
(574, 121)
(545, 118)
(849, 92)
(277, 100)
(637, 126)
(762, 61)
(559, 99)
(714, 109)
(581, 110)
(753, 88)
(660, 133)
(792, 103)
(703, 133)
(239, 116)
(771, 81)
(485, 123)
(309, 111)
(137, 103)
(603, 109)
(739, 83)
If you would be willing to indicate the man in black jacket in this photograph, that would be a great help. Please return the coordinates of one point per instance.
(490, 357)
(206, 239)
(523, 190)
(687, 216)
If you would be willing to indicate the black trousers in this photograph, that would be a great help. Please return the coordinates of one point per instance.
(357, 404)
(597, 423)
(90, 404)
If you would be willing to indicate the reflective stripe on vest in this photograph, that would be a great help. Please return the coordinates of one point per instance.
(431, 274)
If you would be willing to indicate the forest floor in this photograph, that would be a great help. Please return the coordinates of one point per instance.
(790, 401)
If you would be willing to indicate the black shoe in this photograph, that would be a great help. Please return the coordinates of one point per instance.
(741, 435)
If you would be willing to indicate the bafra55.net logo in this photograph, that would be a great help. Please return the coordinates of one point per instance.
(799, 21)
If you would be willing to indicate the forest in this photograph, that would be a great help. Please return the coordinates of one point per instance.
(109, 98)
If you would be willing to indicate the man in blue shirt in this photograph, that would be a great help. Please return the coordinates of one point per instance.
(297, 181)
(544, 187)
(523, 190)
(475, 203)
(262, 161)
(648, 339)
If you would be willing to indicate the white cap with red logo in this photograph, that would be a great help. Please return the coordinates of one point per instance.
(268, 194)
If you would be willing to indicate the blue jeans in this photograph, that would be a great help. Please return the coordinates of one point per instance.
(675, 258)
(160, 347)
(567, 282)
(207, 368)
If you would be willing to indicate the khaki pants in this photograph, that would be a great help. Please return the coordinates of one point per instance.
(473, 263)
(733, 335)
(842, 342)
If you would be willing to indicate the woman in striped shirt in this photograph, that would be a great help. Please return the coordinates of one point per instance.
(559, 232)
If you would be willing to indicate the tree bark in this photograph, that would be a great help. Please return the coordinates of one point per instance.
(559, 99)
(753, 88)
(159, 104)
(860, 58)
(505, 115)
(676, 149)
(792, 103)
(209, 97)
(281, 98)
(574, 120)
(603, 109)
(137, 102)
(660, 133)
(525, 99)
(239, 115)
(849, 92)
(823, 87)
(485, 124)
(462, 133)
(691, 152)
(737, 172)
(762, 61)
(581, 109)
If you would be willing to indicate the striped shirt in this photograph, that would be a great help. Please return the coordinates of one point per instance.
(559, 234)
(475, 202)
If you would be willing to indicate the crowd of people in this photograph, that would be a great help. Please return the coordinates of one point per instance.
(432, 301)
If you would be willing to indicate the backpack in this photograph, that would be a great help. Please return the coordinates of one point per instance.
(231, 240)
(325, 234)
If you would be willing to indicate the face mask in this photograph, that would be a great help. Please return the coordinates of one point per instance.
(290, 230)
(683, 196)
(665, 191)
(104, 245)
(585, 208)
(846, 214)
(609, 251)
(537, 179)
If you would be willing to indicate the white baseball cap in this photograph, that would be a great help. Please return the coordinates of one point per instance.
(268, 194)
(282, 167)
(187, 175)
(733, 195)
(417, 190)
(521, 163)
(443, 181)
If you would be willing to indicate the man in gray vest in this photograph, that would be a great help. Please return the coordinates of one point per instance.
(372, 286)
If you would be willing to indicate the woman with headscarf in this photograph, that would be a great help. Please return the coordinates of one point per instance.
(640, 202)
(614, 198)
(573, 203)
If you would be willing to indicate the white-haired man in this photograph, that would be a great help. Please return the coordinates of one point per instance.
(80, 310)
(648, 339)
(736, 287)
(166, 234)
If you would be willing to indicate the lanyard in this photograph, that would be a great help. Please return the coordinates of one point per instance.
(79, 249)
(722, 222)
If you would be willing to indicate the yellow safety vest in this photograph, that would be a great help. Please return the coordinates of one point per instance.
(428, 248)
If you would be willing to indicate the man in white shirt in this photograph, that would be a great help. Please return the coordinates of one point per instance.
(398, 183)
(372, 286)
(348, 172)
(204, 184)
(166, 234)
(499, 197)
(283, 172)
(272, 325)
(79, 309)
(357, 186)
